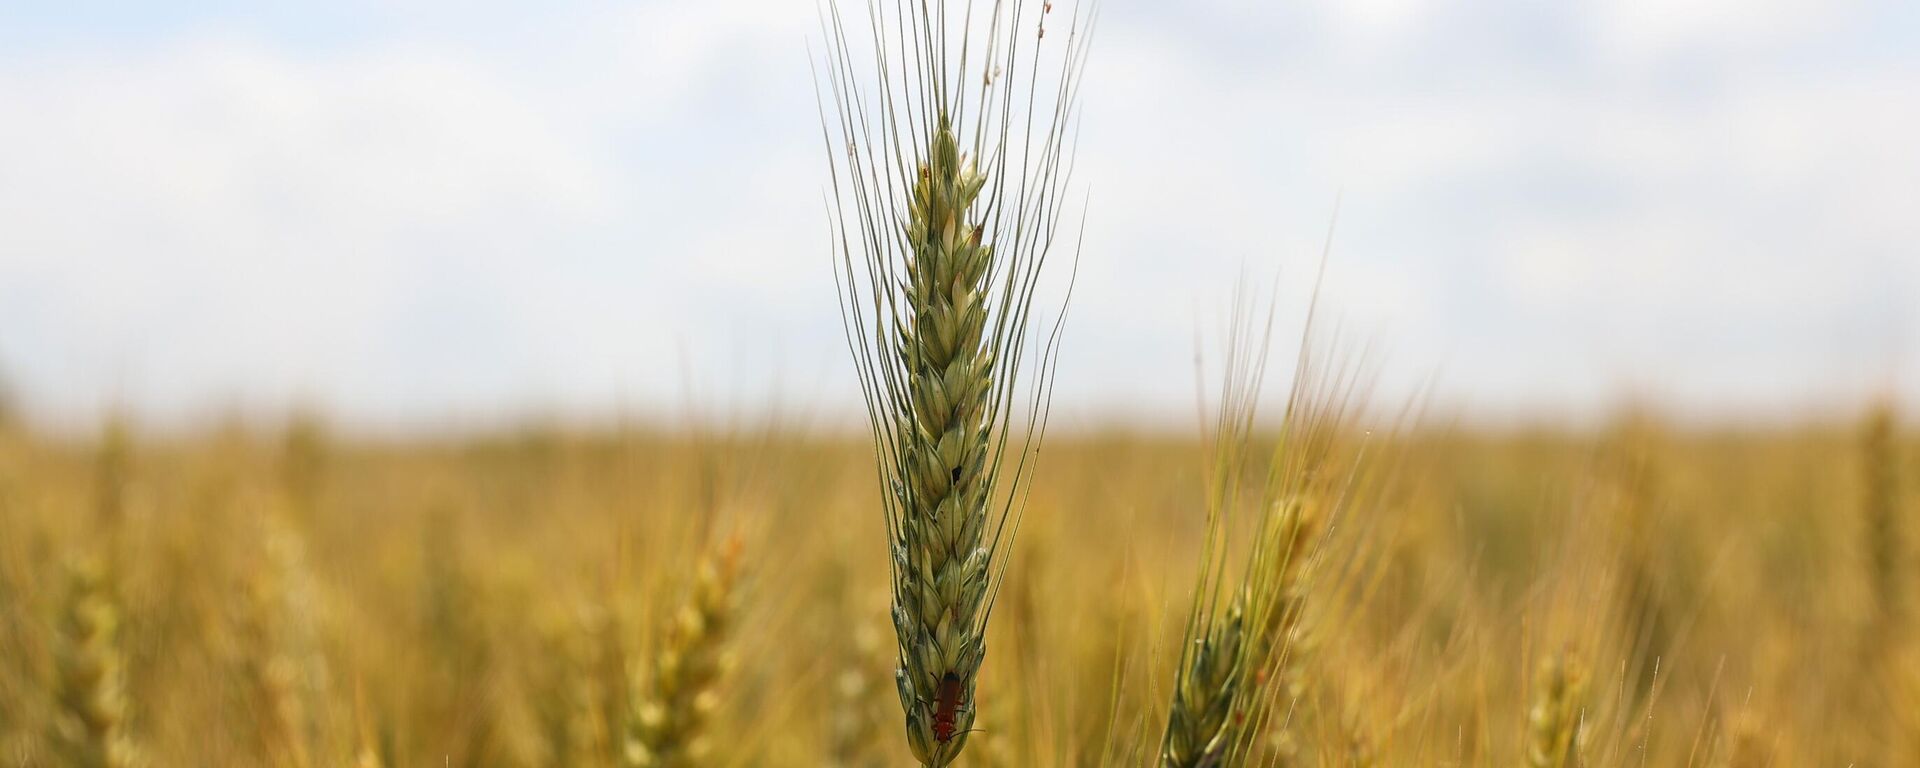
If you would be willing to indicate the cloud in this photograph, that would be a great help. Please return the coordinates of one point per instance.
(1555, 240)
(602, 206)
(212, 219)
(1646, 27)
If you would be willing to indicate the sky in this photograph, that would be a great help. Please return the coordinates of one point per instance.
(410, 214)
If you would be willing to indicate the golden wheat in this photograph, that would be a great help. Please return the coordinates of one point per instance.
(90, 727)
(668, 729)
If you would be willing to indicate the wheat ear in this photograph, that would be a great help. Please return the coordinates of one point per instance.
(1240, 632)
(90, 725)
(1553, 722)
(945, 209)
(283, 663)
(669, 728)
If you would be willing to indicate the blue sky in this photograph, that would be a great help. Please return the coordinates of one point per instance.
(416, 212)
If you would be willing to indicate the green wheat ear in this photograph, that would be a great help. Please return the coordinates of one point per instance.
(945, 209)
(940, 569)
(1242, 627)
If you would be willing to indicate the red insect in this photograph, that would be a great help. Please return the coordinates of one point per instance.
(946, 706)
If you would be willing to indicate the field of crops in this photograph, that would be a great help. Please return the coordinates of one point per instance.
(1639, 595)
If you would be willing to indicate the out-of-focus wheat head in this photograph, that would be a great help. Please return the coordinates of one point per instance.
(1553, 722)
(668, 729)
(1241, 629)
(947, 190)
(90, 727)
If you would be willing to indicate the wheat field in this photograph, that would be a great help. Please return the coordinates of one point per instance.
(1638, 595)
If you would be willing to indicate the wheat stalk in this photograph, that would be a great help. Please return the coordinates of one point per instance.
(945, 209)
(668, 728)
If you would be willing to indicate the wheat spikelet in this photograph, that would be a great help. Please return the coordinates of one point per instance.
(89, 728)
(668, 728)
(1553, 722)
(946, 208)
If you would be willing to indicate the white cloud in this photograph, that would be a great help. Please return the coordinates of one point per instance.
(624, 199)
(212, 219)
(1647, 27)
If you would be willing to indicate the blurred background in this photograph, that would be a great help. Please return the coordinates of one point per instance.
(422, 214)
